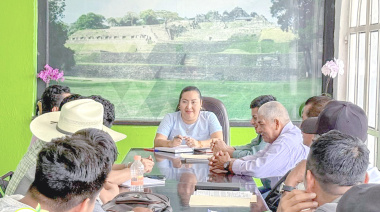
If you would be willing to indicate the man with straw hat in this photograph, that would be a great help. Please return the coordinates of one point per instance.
(74, 116)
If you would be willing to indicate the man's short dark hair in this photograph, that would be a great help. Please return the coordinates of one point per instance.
(260, 100)
(73, 168)
(317, 104)
(338, 159)
(52, 97)
(70, 98)
(109, 108)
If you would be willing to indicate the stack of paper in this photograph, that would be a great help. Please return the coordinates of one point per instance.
(167, 155)
(178, 149)
(200, 157)
(189, 158)
(222, 198)
(148, 182)
(203, 150)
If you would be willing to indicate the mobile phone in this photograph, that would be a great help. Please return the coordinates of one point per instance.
(157, 177)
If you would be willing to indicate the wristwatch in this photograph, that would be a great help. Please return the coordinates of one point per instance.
(284, 188)
(226, 165)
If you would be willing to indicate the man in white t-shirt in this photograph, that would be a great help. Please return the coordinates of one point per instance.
(70, 173)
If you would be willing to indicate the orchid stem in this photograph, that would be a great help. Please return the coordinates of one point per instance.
(327, 84)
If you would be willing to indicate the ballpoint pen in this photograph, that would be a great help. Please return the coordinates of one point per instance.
(151, 150)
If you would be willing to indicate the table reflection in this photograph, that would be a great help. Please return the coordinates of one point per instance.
(182, 177)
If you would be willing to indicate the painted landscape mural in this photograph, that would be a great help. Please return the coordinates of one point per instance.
(141, 54)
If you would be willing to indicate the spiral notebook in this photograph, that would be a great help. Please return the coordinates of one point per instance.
(178, 149)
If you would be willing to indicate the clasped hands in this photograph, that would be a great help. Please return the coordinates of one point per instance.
(190, 142)
(148, 164)
(218, 145)
(221, 155)
(216, 162)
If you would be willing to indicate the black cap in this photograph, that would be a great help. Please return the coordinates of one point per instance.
(343, 116)
(360, 198)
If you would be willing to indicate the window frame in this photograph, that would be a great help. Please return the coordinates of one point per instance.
(343, 91)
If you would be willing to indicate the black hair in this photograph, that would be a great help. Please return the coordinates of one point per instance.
(339, 159)
(186, 89)
(108, 107)
(73, 168)
(260, 100)
(52, 97)
(109, 110)
(70, 98)
(317, 104)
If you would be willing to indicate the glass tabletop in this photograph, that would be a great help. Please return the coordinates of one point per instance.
(181, 178)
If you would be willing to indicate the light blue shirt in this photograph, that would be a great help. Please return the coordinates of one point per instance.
(276, 158)
(173, 125)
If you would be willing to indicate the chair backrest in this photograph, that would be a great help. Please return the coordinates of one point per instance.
(4, 180)
(217, 107)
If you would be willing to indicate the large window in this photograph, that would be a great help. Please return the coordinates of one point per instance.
(363, 64)
(140, 54)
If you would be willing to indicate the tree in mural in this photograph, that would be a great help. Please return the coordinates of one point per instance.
(298, 16)
(167, 15)
(112, 22)
(89, 21)
(129, 19)
(149, 17)
(59, 56)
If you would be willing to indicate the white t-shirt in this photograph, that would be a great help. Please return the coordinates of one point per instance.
(12, 203)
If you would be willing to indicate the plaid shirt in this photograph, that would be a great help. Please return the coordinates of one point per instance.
(25, 171)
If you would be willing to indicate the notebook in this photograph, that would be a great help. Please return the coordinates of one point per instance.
(178, 149)
(148, 182)
(222, 198)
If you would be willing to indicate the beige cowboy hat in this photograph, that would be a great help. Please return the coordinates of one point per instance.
(74, 116)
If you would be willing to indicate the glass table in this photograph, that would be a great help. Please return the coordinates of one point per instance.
(182, 177)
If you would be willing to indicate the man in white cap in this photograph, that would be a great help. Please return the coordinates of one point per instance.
(74, 116)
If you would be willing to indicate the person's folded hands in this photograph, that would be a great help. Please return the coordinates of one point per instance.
(191, 142)
(148, 164)
(217, 161)
(217, 145)
(177, 140)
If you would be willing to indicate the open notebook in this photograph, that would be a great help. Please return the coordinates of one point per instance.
(178, 149)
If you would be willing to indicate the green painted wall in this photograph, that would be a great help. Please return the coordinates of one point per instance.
(18, 34)
(18, 56)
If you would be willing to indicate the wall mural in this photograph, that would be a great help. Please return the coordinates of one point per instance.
(140, 54)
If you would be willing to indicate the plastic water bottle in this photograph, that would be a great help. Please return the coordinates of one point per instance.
(137, 174)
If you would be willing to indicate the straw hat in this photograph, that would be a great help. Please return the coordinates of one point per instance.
(74, 116)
